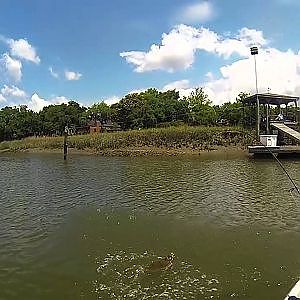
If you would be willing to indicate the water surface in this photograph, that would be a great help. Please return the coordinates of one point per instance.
(87, 228)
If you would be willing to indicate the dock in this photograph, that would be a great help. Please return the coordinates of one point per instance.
(287, 130)
(275, 124)
(282, 150)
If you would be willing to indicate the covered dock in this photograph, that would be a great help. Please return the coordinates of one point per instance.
(276, 115)
(266, 114)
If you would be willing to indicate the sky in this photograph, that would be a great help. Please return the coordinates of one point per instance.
(54, 51)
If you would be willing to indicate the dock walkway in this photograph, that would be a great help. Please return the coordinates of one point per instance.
(289, 131)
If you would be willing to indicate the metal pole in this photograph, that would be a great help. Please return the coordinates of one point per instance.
(257, 100)
(268, 118)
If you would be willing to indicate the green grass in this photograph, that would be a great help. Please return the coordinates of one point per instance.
(201, 138)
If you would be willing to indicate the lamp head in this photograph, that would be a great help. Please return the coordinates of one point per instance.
(254, 50)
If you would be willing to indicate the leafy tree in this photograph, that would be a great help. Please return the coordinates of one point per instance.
(149, 108)
(54, 118)
(201, 111)
(234, 112)
(99, 110)
(127, 111)
(17, 122)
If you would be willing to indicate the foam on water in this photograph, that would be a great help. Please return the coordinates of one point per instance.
(122, 275)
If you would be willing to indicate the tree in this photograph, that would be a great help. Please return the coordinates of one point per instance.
(17, 122)
(99, 110)
(233, 112)
(241, 97)
(201, 111)
(54, 118)
(149, 109)
(127, 111)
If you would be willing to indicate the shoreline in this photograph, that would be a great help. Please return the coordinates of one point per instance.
(220, 151)
(170, 141)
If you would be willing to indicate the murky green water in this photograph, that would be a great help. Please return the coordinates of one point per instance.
(87, 229)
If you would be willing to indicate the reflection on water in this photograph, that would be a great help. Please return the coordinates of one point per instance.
(87, 228)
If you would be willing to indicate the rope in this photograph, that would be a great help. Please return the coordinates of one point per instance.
(295, 187)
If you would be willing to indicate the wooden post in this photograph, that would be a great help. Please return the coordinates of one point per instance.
(65, 143)
(297, 114)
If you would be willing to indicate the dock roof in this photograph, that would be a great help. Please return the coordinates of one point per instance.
(273, 99)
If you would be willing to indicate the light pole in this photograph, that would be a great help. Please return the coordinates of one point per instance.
(254, 52)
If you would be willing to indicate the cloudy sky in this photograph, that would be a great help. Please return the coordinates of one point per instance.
(52, 51)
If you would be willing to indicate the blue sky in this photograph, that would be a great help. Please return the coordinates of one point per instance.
(52, 51)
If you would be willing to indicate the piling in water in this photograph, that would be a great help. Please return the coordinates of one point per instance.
(65, 143)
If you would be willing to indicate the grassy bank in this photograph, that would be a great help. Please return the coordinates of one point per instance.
(176, 139)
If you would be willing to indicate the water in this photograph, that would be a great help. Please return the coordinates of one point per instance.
(87, 228)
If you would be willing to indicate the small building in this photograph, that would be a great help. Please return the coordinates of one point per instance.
(95, 127)
(104, 126)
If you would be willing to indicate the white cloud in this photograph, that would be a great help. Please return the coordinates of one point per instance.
(12, 95)
(10, 63)
(12, 91)
(277, 70)
(197, 13)
(37, 103)
(12, 67)
(112, 100)
(59, 100)
(70, 75)
(251, 36)
(182, 86)
(54, 74)
(115, 99)
(209, 76)
(176, 52)
(179, 46)
(23, 50)
(137, 91)
(2, 98)
(179, 84)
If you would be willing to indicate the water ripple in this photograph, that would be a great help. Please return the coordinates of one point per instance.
(40, 192)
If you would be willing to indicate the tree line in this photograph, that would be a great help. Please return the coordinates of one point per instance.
(151, 108)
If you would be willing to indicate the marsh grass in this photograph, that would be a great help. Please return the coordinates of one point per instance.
(187, 137)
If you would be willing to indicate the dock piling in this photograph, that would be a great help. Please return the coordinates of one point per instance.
(66, 142)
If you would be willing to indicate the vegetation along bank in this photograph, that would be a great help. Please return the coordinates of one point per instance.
(155, 141)
(149, 122)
